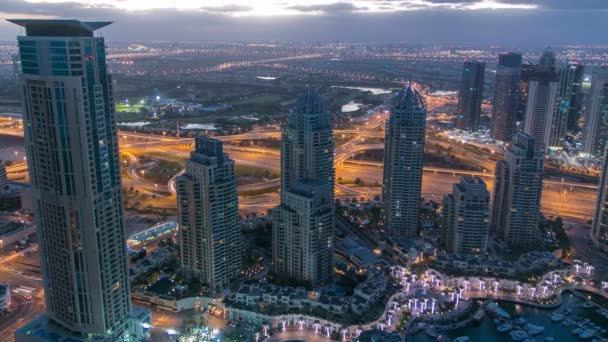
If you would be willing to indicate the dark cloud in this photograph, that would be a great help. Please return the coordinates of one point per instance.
(548, 25)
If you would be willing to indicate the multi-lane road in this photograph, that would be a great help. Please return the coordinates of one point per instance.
(566, 199)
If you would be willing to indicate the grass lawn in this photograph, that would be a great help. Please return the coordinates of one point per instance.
(127, 108)
(250, 171)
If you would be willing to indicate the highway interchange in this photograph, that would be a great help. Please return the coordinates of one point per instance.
(573, 201)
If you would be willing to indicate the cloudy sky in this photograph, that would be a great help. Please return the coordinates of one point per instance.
(508, 22)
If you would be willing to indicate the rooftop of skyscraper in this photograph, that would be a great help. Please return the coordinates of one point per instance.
(59, 27)
(409, 99)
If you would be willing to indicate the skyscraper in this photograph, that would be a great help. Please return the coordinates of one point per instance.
(207, 202)
(518, 188)
(543, 120)
(403, 154)
(571, 78)
(465, 224)
(506, 97)
(540, 109)
(303, 224)
(470, 95)
(599, 228)
(73, 161)
(4, 186)
(596, 119)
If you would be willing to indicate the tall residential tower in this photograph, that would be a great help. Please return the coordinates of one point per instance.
(599, 228)
(465, 224)
(544, 119)
(73, 162)
(596, 119)
(403, 154)
(518, 188)
(208, 213)
(506, 97)
(470, 95)
(303, 224)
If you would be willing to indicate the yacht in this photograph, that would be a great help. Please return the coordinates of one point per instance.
(534, 329)
(520, 321)
(576, 331)
(431, 332)
(494, 309)
(504, 327)
(518, 335)
(587, 334)
(462, 339)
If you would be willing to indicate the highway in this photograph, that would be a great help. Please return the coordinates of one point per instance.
(567, 199)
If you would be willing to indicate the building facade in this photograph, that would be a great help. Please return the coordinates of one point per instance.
(303, 224)
(73, 161)
(599, 228)
(506, 97)
(403, 154)
(208, 214)
(518, 185)
(465, 224)
(571, 79)
(542, 119)
(596, 119)
(470, 95)
(4, 185)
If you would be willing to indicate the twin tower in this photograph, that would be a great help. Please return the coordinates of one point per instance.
(303, 231)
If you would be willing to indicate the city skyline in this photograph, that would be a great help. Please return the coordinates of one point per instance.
(279, 192)
(545, 21)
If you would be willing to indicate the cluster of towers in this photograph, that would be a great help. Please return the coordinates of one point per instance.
(72, 148)
(547, 98)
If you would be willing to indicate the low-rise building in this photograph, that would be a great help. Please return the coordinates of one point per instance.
(368, 292)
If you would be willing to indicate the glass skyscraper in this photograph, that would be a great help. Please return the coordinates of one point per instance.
(470, 95)
(599, 233)
(403, 154)
(72, 153)
(303, 225)
(506, 97)
(208, 215)
(595, 137)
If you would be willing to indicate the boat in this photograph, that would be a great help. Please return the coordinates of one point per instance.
(479, 315)
(567, 322)
(520, 321)
(462, 339)
(556, 317)
(534, 329)
(587, 304)
(518, 335)
(504, 327)
(576, 331)
(431, 332)
(587, 334)
(494, 309)
(550, 339)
